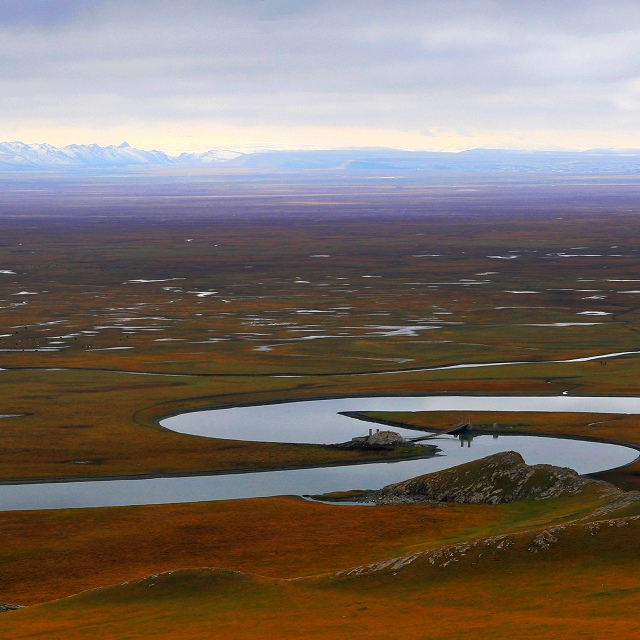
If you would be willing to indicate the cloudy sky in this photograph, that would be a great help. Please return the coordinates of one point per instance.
(424, 74)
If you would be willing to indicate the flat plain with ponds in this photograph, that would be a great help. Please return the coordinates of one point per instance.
(116, 316)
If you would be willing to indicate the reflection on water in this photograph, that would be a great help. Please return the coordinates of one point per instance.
(467, 437)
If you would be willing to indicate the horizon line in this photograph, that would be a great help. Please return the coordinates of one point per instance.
(251, 149)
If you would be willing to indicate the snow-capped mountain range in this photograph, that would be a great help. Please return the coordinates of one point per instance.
(25, 157)
(18, 155)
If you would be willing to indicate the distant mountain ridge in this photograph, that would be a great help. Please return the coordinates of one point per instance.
(22, 156)
(19, 155)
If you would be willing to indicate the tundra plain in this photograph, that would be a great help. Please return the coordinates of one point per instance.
(125, 298)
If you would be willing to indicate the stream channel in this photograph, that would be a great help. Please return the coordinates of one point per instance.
(319, 421)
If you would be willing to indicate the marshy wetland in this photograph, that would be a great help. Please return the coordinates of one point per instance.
(127, 300)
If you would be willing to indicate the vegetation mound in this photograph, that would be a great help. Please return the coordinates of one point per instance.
(202, 582)
(496, 479)
(491, 578)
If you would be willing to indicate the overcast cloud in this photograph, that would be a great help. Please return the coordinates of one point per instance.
(403, 65)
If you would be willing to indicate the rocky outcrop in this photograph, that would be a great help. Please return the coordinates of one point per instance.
(500, 478)
(9, 607)
(575, 539)
(378, 440)
(386, 439)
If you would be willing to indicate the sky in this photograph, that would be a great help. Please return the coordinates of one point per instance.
(191, 75)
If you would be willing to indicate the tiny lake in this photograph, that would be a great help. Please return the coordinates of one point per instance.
(318, 421)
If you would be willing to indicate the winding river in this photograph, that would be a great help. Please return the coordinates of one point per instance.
(319, 421)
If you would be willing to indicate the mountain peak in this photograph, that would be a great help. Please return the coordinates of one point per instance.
(124, 145)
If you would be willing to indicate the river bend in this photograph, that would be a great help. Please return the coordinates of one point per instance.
(318, 421)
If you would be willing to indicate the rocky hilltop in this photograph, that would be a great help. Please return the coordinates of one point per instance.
(499, 478)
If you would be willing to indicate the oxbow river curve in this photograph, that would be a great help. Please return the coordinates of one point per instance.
(319, 421)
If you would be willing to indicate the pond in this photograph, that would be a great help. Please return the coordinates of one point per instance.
(318, 421)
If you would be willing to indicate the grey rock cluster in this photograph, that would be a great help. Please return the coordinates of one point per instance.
(9, 607)
(378, 440)
(500, 478)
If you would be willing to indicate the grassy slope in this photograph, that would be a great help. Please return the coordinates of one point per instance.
(55, 553)
(573, 581)
(50, 554)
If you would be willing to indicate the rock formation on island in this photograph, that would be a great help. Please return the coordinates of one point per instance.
(378, 440)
